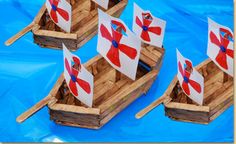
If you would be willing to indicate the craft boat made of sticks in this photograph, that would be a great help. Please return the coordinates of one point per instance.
(113, 91)
(83, 26)
(218, 96)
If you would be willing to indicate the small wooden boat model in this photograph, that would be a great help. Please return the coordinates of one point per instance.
(83, 26)
(210, 85)
(218, 96)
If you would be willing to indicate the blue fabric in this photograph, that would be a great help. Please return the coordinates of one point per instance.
(28, 72)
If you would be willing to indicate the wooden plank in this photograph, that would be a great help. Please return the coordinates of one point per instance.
(190, 107)
(226, 94)
(125, 91)
(221, 105)
(40, 14)
(55, 34)
(147, 53)
(76, 125)
(210, 90)
(115, 87)
(75, 118)
(75, 109)
(216, 90)
(79, 13)
(107, 74)
(55, 43)
(102, 90)
(213, 78)
(186, 115)
(221, 111)
(147, 60)
(133, 96)
(117, 104)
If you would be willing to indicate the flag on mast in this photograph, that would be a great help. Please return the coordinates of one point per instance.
(220, 46)
(190, 80)
(118, 45)
(60, 13)
(78, 79)
(148, 28)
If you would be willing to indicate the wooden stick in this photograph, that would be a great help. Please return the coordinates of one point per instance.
(19, 34)
(33, 109)
(150, 107)
(27, 28)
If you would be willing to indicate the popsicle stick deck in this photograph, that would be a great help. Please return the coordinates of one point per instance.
(84, 24)
(113, 91)
(218, 96)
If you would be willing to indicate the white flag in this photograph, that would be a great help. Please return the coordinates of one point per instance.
(220, 46)
(120, 48)
(60, 13)
(78, 79)
(190, 80)
(148, 28)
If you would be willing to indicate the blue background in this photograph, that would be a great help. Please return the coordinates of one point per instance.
(28, 72)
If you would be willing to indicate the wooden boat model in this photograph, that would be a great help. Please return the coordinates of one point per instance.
(84, 25)
(113, 91)
(218, 96)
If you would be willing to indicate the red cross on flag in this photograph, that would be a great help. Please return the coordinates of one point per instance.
(190, 80)
(102, 3)
(118, 45)
(78, 79)
(147, 27)
(220, 46)
(60, 13)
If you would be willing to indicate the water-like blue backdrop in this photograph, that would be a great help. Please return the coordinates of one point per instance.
(28, 72)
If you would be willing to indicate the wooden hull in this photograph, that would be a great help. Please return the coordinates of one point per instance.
(84, 25)
(113, 91)
(218, 96)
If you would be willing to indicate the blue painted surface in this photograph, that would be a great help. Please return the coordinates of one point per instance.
(28, 72)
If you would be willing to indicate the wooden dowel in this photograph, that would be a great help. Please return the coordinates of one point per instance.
(150, 107)
(19, 34)
(33, 109)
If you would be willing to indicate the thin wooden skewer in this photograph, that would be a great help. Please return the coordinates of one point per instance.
(150, 107)
(33, 109)
(19, 34)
